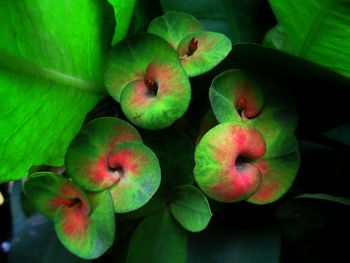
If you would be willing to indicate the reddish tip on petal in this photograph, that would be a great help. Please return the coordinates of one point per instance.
(192, 46)
(75, 224)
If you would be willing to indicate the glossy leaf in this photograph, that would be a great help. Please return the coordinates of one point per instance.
(129, 59)
(123, 10)
(326, 197)
(51, 62)
(239, 20)
(49, 192)
(166, 144)
(319, 31)
(174, 26)
(87, 235)
(139, 175)
(87, 155)
(209, 50)
(36, 242)
(158, 238)
(190, 208)
(339, 134)
(167, 104)
(276, 38)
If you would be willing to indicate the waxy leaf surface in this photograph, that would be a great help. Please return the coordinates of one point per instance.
(123, 10)
(166, 144)
(190, 208)
(139, 176)
(319, 31)
(51, 61)
(158, 238)
(174, 26)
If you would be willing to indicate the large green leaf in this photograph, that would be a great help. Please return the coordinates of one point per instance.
(158, 239)
(51, 58)
(123, 10)
(317, 30)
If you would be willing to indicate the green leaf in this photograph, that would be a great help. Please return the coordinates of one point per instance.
(276, 38)
(158, 238)
(190, 208)
(339, 134)
(51, 60)
(123, 10)
(87, 155)
(210, 49)
(319, 31)
(36, 242)
(174, 26)
(144, 13)
(238, 20)
(326, 197)
(48, 192)
(87, 235)
(166, 144)
(139, 175)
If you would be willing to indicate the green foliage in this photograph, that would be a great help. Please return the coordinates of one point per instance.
(158, 238)
(247, 103)
(123, 13)
(49, 80)
(318, 31)
(92, 173)
(198, 50)
(190, 208)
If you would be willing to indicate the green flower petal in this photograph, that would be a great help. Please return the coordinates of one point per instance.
(224, 162)
(87, 235)
(50, 192)
(129, 59)
(167, 104)
(202, 51)
(174, 26)
(139, 178)
(87, 155)
(234, 93)
(278, 175)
